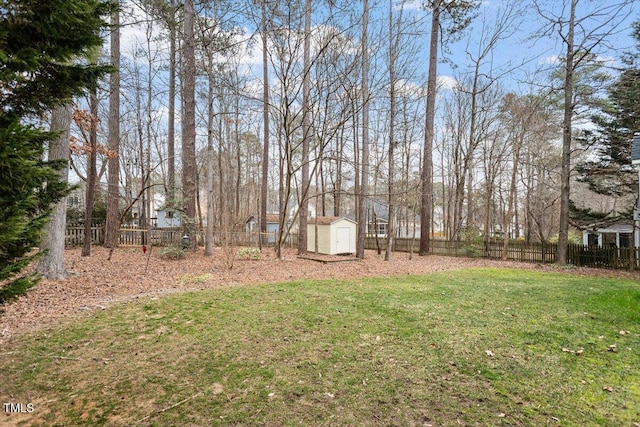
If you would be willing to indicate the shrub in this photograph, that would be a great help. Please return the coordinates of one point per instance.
(172, 252)
(249, 253)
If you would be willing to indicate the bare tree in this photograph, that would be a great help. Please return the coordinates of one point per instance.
(292, 113)
(482, 76)
(523, 112)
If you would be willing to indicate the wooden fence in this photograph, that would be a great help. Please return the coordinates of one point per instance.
(593, 256)
(135, 236)
(74, 235)
(579, 255)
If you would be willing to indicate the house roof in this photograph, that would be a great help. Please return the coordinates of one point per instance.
(327, 220)
(271, 218)
(609, 227)
(635, 149)
(616, 228)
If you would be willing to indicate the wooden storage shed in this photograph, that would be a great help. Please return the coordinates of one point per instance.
(336, 235)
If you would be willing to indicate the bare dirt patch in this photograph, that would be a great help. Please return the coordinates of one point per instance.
(96, 282)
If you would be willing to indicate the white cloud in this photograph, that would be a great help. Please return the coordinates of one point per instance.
(447, 82)
(551, 60)
(411, 5)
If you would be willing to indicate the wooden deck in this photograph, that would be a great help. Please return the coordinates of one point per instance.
(326, 259)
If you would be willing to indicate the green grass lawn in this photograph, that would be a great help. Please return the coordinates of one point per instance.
(475, 347)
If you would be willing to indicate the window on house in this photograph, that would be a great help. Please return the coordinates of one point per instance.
(382, 228)
(609, 240)
(169, 214)
(73, 201)
(625, 239)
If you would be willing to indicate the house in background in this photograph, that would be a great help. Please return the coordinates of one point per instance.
(622, 233)
(252, 224)
(406, 224)
(635, 161)
(616, 235)
(252, 227)
(377, 227)
(167, 218)
(336, 235)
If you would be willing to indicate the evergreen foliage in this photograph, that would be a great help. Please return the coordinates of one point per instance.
(41, 46)
(610, 171)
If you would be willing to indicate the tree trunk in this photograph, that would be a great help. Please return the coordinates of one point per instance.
(112, 226)
(236, 135)
(337, 188)
(282, 176)
(427, 160)
(392, 135)
(488, 210)
(171, 119)
(189, 125)
(512, 196)
(91, 173)
(51, 265)
(264, 185)
(306, 127)
(208, 241)
(364, 157)
(565, 176)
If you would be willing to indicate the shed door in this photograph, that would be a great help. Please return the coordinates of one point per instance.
(343, 235)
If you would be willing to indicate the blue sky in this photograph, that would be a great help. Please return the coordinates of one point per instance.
(516, 56)
(528, 45)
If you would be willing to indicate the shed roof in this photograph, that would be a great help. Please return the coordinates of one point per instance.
(635, 149)
(327, 220)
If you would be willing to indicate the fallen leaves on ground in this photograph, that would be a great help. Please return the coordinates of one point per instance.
(577, 352)
(96, 282)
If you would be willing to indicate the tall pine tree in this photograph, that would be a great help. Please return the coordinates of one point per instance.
(42, 46)
(610, 171)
